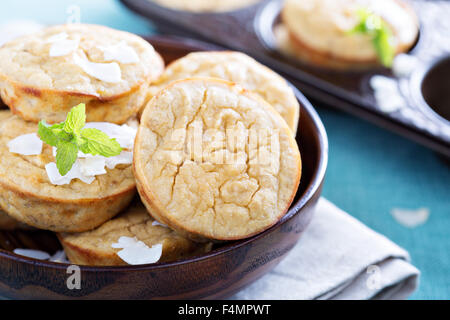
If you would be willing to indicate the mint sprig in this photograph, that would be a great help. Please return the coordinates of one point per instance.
(69, 137)
(380, 32)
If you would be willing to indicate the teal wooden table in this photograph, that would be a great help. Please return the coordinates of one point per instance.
(370, 170)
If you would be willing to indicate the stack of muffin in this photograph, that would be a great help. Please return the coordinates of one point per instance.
(209, 142)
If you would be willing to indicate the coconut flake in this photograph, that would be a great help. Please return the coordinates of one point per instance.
(108, 72)
(156, 223)
(404, 65)
(411, 218)
(92, 166)
(136, 252)
(63, 47)
(120, 52)
(75, 173)
(125, 157)
(26, 144)
(387, 94)
(60, 257)
(31, 253)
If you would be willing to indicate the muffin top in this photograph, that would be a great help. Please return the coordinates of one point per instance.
(81, 59)
(206, 5)
(324, 25)
(239, 68)
(27, 173)
(215, 160)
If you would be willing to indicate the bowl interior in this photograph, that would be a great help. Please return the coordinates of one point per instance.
(311, 139)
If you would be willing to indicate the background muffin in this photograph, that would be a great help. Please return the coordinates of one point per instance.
(95, 247)
(239, 68)
(206, 5)
(27, 194)
(319, 31)
(215, 161)
(43, 75)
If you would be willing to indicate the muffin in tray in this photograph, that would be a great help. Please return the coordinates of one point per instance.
(43, 75)
(239, 68)
(321, 32)
(28, 195)
(206, 5)
(96, 247)
(215, 161)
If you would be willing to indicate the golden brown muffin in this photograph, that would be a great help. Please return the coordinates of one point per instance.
(28, 196)
(206, 5)
(8, 223)
(317, 31)
(215, 161)
(43, 75)
(95, 247)
(239, 68)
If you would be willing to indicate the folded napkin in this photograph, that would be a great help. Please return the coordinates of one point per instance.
(338, 258)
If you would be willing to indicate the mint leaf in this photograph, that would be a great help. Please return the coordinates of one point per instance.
(69, 136)
(66, 155)
(98, 143)
(380, 32)
(76, 119)
(47, 134)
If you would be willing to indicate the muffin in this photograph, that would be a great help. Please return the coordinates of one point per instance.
(28, 195)
(318, 31)
(8, 223)
(44, 74)
(239, 68)
(206, 5)
(215, 161)
(95, 248)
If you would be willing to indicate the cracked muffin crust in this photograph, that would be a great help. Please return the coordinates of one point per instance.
(94, 247)
(239, 68)
(36, 85)
(27, 195)
(318, 31)
(215, 161)
(206, 5)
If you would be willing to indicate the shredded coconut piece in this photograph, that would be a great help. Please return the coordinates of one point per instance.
(387, 94)
(156, 223)
(75, 173)
(108, 72)
(136, 252)
(31, 253)
(120, 52)
(411, 218)
(404, 65)
(26, 144)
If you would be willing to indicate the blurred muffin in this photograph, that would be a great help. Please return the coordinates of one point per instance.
(44, 74)
(318, 31)
(27, 194)
(239, 68)
(206, 5)
(95, 248)
(215, 161)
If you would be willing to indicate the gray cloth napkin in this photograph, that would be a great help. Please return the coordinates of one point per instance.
(338, 258)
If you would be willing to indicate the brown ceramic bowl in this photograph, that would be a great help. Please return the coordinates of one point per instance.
(218, 274)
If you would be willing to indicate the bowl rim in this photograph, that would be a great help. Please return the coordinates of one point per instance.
(313, 187)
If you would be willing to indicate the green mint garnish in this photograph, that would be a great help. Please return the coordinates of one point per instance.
(69, 137)
(380, 32)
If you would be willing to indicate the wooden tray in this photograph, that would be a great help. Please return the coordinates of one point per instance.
(251, 30)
